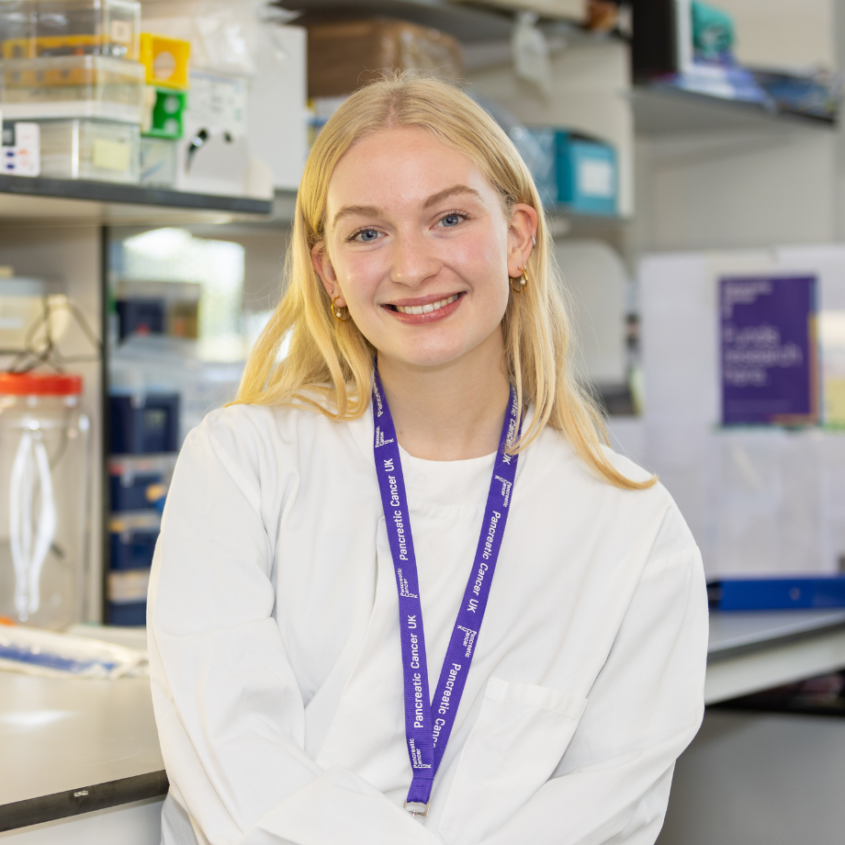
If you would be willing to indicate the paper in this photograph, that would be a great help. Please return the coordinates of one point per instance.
(111, 155)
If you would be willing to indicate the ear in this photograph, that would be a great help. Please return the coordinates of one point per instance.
(323, 267)
(522, 232)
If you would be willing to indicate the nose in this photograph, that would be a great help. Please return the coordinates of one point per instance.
(413, 259)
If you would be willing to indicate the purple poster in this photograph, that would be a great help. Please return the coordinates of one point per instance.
(768, 350)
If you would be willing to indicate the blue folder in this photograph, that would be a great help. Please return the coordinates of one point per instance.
(825, 591)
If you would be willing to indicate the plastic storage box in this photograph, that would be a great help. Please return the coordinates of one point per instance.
(145, 426)
(133, 538)
(89, 149)
(574, 170)
(75, 86)
(133, 549)
(158, 162)
(587, 179)
(31, 29)
(132, 493)
(140, 316)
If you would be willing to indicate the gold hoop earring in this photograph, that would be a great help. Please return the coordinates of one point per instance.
(337, 310)
(519, 283)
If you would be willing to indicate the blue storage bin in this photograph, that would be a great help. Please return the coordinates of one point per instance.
(144, 427)
(134, 613)
(126, 594)
(133, 548)
(587, 177)
(129, 492)
(140, 316)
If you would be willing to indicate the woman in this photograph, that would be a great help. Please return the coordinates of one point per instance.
(320, 671)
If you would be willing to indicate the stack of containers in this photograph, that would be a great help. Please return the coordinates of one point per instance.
(166, 63)
(71, 68)
(144, 435)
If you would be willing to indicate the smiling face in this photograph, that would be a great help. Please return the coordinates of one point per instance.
(419, 249)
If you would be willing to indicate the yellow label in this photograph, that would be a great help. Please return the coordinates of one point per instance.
(111, 155)
(834, 401)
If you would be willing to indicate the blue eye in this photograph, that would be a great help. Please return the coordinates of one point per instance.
(451, 220)
(367, 235)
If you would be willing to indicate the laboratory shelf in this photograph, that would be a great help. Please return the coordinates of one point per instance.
(24, 199)
(753, 651)
(664, 109)
(469, 21)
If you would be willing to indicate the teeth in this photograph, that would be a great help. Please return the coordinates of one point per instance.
(426, 309)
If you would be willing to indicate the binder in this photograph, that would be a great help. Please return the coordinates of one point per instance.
(805, 593)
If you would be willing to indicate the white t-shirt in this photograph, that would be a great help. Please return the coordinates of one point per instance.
(276, 663)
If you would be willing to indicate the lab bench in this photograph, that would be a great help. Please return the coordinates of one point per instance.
(75, 746)
(81, 758)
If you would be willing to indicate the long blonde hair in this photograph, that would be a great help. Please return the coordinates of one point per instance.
(329, 364)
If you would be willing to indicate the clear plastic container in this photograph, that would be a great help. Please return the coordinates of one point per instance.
(31, 29)
(44, 467)
(90, 149)
(76, 86)
(158, 162)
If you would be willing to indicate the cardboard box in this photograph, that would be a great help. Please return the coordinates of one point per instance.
(343, 56)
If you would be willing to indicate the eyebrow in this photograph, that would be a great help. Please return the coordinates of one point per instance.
(450, 192)
(352, 210)
(374, 211)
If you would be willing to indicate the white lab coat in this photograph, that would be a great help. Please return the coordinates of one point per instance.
(276, 664)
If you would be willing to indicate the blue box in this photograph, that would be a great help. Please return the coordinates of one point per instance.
(587, 174)
(140, 316)
(145, 427)
(129, 493)
(574, 170)
(133, 549)
(134, 613)
(804, 593)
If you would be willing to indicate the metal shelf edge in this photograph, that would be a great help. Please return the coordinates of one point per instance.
(123, 194)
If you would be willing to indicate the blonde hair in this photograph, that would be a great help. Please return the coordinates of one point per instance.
(329, 364)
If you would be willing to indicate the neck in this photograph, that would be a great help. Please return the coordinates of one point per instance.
(447, 413)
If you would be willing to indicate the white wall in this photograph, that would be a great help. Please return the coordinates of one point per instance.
(783, 33)
(738, 190)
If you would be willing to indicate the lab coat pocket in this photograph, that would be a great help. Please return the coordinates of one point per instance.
(520, 736)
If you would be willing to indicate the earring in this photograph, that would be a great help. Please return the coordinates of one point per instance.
(338, 310)
(519, 283)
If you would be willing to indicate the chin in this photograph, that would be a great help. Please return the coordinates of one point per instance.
(426, 358)
(448, 347)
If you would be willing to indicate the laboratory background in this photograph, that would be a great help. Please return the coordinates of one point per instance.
(692, 162)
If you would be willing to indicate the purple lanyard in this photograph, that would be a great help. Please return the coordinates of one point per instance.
(427, 726)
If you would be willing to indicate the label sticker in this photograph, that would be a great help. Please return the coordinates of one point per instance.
(111, 155)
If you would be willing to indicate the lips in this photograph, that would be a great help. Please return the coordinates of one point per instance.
(424, 310)
(428, 307)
